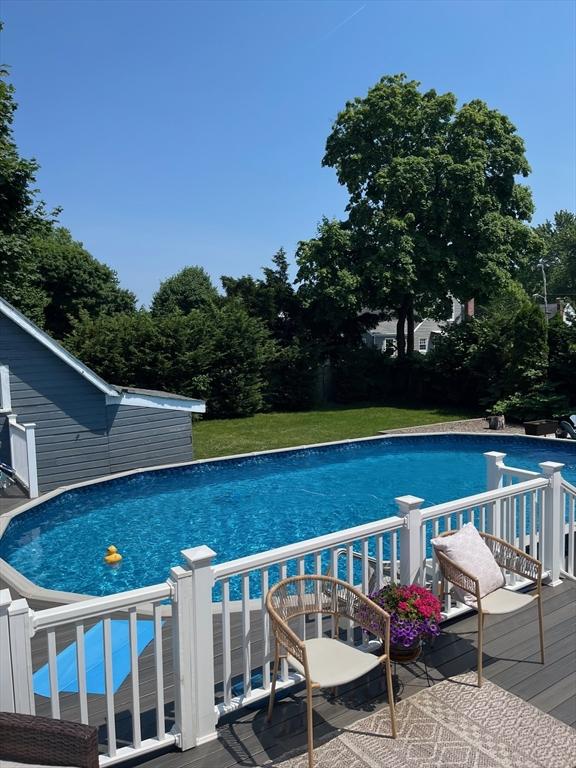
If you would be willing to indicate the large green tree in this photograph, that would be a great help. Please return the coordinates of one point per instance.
(501, 352)
(20, 214)
(74, 282)
(331, 287)
(219, 354)
(189, 289)
(44, 272)
(291, 373)
(558, 260)
(435, 207)
(271, 298)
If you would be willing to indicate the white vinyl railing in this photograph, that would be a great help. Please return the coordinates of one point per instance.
(568, 506)
(23, 454)
(534, 511)
(55, 628)
(364, 555)
(514, 513)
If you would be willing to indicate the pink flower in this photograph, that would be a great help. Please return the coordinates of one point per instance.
(403, 605)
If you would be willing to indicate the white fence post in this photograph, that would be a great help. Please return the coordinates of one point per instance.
(552, 523)
(494, 480)
(30, 436)
(411, 555)
(182, 639)
(200, 636)
(20, 627)
(494, 464)
(5, 400)
(6, 682)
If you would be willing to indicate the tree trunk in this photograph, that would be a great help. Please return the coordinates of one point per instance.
(410, 324)
(400, 332)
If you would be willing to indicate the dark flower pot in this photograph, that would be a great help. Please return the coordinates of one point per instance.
(404, 654)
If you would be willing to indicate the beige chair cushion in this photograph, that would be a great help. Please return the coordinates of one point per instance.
(331, 662)
(506, 601)
(467, 550)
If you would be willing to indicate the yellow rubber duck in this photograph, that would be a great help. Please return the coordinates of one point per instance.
(112, 556)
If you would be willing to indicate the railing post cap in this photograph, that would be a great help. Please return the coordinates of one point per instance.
(550, 467)
(406, 503)
(197, 557)
(177, 572)
(19, 606)
(495, 455)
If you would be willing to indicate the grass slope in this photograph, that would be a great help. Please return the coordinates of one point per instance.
(282, 430)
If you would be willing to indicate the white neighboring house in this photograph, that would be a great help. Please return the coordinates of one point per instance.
(383, 336)
(567, 310)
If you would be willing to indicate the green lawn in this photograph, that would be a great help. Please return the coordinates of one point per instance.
(282, 430)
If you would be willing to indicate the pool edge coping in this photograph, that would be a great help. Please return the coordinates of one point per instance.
(36, 592)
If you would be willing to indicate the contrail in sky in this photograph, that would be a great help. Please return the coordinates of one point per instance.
(345, 21)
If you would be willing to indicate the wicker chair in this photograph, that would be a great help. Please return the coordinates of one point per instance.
(43, 741)
(501, 600)
(325, 662)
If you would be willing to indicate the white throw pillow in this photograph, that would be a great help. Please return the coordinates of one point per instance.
(467, 550)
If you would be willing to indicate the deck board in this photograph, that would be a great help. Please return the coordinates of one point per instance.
(511, 660)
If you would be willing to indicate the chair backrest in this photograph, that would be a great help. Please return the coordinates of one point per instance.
(305, 595)
(507, 557)
(453, 573)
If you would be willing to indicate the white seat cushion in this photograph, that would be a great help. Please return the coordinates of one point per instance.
(506, 601)
(468, 551)
(331, 662)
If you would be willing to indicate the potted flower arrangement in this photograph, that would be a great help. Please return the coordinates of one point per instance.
(414, 615)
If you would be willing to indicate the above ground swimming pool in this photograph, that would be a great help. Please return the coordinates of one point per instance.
(242, 506)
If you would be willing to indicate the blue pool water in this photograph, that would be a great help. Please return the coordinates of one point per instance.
(242, 506)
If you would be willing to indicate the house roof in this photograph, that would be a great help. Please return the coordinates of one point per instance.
(115, 395)
(385, 327)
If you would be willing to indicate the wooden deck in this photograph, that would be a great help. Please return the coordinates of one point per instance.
(12, 497)
(511, 660)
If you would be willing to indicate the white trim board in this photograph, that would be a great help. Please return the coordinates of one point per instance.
(156, 401)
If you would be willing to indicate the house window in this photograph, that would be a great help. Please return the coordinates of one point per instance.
(422, 345)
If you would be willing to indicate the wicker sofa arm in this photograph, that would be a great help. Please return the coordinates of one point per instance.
(513, 559)
(44, 741)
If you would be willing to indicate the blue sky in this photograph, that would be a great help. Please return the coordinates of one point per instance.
(177, 133)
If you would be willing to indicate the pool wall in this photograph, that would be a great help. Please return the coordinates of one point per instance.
(26, 588)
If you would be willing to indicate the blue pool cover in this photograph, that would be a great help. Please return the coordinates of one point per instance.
(94, 653)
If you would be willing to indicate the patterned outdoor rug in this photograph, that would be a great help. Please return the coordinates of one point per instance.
(453, 724)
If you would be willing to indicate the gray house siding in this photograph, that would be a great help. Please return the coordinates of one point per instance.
(157, 437)
(69, 413)
(425, 331)
(79, 437)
